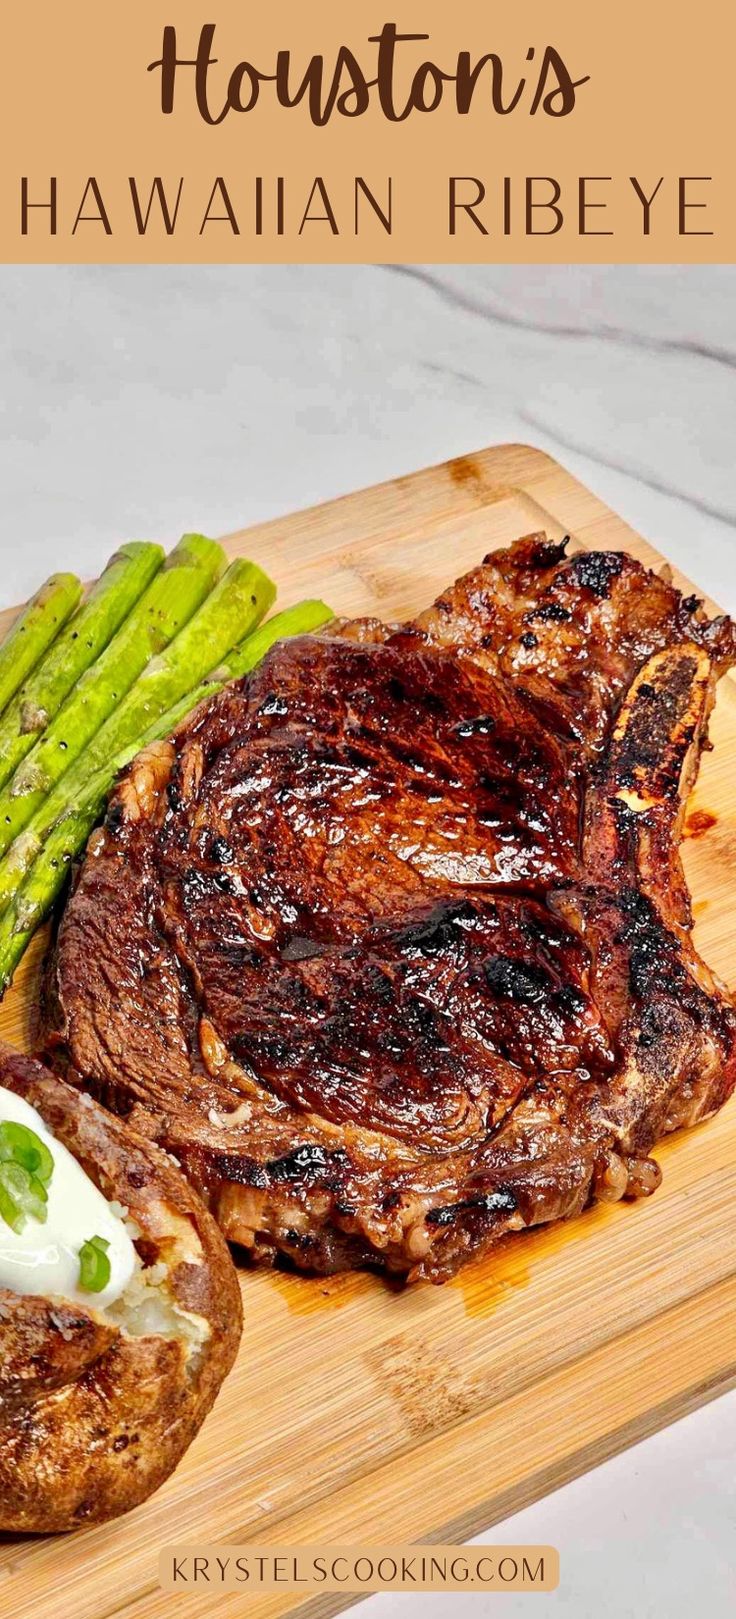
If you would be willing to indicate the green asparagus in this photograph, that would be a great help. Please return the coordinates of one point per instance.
(46, 876)
(235, 606)
(40, 882)
(126, 576)
(34, 629)
(47, 872)
(173, 595)
(298, 620)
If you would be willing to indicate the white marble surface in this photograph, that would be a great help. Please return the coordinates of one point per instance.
(143, 402)
(146, 401)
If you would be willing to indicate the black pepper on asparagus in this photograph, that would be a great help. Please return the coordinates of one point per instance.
(78, 646)
(33, 631)
(173, 595)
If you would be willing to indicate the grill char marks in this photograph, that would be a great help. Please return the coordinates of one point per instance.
(390, 946)
(596, 617)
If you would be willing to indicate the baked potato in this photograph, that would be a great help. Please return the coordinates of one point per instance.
(120, 1309)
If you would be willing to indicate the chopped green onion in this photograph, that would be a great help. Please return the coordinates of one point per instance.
(26, 1167)
(94, 1265)
(9, 1208)
(21, 1194)
(22, 1146)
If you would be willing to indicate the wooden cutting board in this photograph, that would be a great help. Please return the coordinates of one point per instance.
(358, 1414)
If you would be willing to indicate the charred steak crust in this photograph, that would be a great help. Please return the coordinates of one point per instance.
(390, 944)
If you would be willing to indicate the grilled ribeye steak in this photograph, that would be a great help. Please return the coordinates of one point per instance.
(390, 945)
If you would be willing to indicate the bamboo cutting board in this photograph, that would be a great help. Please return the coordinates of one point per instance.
(358, 1414)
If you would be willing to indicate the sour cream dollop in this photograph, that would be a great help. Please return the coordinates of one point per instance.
(44, 1259)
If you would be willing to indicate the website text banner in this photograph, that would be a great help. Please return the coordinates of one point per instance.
(358, 1569)
(222, 131)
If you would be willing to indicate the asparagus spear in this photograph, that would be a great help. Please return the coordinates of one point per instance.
(233, 608)
(127, 574)
(189, 572)
(45, 874)
(36, 626)
(298, 620)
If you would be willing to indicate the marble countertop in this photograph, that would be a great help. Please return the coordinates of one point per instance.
(151, 400)
(143, 402)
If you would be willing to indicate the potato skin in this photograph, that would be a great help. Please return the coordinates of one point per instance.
(93, 1420)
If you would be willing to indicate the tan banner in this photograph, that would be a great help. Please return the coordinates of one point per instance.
(361, 1569)
(171, 130)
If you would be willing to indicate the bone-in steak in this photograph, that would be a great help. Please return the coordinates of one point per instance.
(391, 946)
